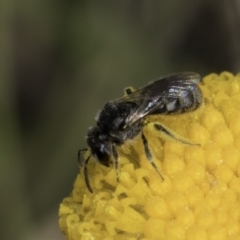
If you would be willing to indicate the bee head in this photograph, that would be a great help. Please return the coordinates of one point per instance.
(98, 145)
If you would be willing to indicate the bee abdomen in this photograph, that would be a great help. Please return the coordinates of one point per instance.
(188, 100)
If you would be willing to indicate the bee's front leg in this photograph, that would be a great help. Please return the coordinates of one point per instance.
(116, 160)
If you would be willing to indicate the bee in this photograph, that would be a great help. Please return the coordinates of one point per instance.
(124, 118)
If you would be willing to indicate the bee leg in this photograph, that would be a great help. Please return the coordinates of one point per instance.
(115, 157)
(85, 172)
(128, 90)
(84, 165)
(172, 135)
(79, 155)
(149, 154)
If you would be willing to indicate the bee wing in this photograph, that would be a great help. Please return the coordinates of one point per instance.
(156, 94)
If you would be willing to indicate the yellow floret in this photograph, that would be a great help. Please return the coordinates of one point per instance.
(199, 197)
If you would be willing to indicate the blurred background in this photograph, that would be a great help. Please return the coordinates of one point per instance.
(60, 61)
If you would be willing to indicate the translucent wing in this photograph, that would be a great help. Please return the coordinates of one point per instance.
(174, 93)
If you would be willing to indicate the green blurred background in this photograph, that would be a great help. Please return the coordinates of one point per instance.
(60, 61)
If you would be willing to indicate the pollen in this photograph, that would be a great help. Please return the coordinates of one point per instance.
(199, 195)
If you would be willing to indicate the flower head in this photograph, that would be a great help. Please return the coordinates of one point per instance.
(199, 197)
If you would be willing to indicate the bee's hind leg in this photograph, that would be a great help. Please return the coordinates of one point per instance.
(149, 154)
(171, 135)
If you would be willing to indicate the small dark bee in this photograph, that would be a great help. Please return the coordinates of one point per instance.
(124, 118)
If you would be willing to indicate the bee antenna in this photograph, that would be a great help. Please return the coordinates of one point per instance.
(85, 172)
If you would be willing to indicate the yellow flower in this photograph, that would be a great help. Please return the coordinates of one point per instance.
(200, 196)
